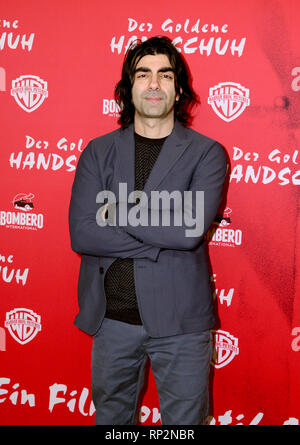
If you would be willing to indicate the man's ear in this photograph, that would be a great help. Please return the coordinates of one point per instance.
(178, 95)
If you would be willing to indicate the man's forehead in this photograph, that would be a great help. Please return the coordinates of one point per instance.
(154, 60)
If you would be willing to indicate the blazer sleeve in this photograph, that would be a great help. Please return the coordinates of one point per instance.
(87, 237)
(209, 177)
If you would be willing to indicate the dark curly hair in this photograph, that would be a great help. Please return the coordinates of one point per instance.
(152, 46)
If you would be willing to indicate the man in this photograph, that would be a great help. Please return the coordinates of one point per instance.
(144, 288)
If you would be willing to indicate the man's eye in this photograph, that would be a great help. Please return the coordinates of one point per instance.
(167, 76)
(141, 75)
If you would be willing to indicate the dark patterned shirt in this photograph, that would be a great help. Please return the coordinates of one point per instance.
(119, 279)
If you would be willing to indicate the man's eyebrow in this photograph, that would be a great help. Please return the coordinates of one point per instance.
(164, 69)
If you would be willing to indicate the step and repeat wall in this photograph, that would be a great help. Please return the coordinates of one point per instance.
(60, 61)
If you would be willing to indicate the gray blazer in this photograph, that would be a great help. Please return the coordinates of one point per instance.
(170, 269)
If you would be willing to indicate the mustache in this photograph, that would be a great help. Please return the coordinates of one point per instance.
(154, 94)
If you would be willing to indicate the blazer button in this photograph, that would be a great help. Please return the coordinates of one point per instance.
(101, 270)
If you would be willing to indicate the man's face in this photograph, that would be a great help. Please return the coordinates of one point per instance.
(153, 91)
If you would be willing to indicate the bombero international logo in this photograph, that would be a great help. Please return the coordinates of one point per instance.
(25, 218)
(221, 232)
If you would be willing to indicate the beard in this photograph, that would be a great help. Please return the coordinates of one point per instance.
(160, 106)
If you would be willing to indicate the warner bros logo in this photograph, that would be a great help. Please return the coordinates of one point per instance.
(29, 92)
(23, 324)
(225, 348)
(228, 100)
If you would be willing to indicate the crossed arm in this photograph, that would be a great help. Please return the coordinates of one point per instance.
(87, 237)
(208, 178)
(140, 241)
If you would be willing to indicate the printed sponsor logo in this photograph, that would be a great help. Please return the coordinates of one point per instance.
(29, 92)
(23, 324)
(110, 108)
(221, 235)
(228, 100)
(225, 348)
(25, 218)
(224, 220)
(23, 201)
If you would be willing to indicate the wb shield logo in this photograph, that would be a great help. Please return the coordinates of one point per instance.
(225, 348)
(29, 92)
(23, 324)
(228, 100)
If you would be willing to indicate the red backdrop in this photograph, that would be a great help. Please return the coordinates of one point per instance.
(60, 61)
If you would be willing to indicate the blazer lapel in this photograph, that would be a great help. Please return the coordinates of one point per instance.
(126, 157)
(173, 148)
(171, 151)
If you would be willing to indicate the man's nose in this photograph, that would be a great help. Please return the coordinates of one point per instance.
(154, 82)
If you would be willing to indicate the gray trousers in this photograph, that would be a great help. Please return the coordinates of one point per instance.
(180, 365)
